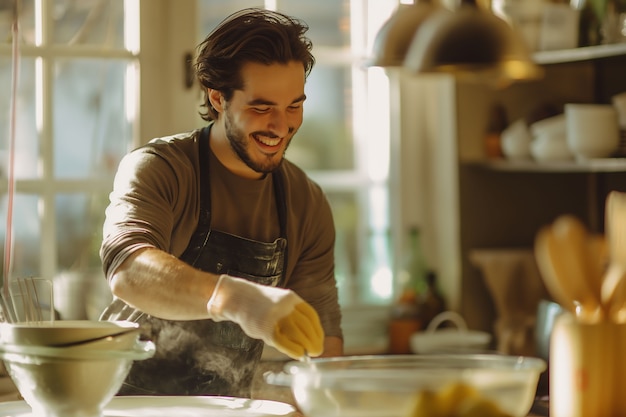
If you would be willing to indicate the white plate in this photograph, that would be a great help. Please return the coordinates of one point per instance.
(179, 406)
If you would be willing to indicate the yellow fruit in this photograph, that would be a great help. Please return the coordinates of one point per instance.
(427, 404)
(455, 400)
(479, 407)
(452, 395)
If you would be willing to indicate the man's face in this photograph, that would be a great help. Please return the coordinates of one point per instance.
(261, 119)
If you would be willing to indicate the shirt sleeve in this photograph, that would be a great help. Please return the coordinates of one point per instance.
(312, 274)
(145, 203)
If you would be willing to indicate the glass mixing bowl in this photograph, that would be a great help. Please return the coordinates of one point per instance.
(388, 386)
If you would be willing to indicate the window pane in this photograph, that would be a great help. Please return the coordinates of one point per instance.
(328, 20)
(362, 248)
(26, 231)
(80, 289)
(375, 282)
(376, 278)
(79, 219)
(26, 136)
(91, 130)
(347, 217)
(325, 140)
(94, 22)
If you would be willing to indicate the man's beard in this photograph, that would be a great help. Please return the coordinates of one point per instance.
(239, 142)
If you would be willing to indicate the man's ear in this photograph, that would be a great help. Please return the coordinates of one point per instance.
(216, 99)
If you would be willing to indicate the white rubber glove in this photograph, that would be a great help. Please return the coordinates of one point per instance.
(277, 316)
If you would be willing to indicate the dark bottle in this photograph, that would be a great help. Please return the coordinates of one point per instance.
(496, 124)
(590, 24)
(431, 301)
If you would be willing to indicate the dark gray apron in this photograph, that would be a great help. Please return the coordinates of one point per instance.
(202, 357)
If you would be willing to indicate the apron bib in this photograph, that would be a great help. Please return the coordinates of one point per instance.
(202, 357)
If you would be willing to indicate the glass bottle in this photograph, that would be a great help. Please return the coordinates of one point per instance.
(413, 270)
(432, 302)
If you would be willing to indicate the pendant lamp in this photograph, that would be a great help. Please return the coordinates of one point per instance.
(471, 43)
(394, 38)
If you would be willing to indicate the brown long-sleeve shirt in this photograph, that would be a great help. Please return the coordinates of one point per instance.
(155, 203)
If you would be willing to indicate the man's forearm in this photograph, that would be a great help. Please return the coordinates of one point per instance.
(163, 286)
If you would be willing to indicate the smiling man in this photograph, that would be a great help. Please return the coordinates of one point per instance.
(215, 242)
(259, 121)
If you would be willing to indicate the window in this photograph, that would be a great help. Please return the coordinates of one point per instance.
(74, 120)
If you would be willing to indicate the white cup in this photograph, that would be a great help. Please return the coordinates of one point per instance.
(525, 16)
(592, 130)
(619, 102)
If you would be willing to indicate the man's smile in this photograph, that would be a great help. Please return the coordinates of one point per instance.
(271, 141)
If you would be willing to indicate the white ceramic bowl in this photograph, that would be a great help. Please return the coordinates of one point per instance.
(59, 382)
(62, 332)
(387, 386)
(551, 148)
(516, 140)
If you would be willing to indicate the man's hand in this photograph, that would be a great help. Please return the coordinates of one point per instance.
(277, 316)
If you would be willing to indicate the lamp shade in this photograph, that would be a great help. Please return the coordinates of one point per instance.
(393, 39)
(470, 42)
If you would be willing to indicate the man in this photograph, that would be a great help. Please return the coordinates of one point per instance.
(215, 242)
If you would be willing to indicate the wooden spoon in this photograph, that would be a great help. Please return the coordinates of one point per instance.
(597, 262)
(613, 291)
(548, 269)
(564, 259)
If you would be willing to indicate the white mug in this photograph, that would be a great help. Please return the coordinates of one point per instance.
(592, 130)
(619, 102)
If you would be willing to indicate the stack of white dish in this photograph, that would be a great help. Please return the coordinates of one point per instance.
(70, 368)
(550, 139)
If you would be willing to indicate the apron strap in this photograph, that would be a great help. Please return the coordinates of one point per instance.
(203, 230)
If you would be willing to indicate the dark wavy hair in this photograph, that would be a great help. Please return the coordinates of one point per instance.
(250, 35)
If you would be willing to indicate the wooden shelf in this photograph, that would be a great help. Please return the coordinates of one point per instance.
(579, 54)
(530, 166)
